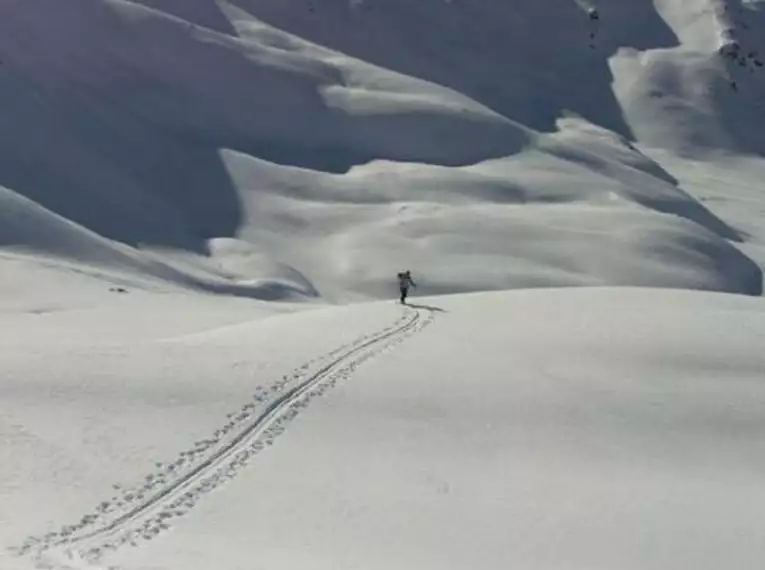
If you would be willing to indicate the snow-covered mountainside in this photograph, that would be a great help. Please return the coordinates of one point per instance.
(298, 148)
(203, 208)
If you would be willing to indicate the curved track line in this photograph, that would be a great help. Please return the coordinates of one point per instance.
(175, 498)
(256, 427)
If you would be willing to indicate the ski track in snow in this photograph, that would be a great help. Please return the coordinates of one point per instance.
(143, 511)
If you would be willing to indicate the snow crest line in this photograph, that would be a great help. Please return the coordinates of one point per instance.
(144, 511)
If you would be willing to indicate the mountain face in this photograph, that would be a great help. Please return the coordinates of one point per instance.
(305, 148)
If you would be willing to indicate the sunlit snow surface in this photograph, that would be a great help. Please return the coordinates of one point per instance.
(540, 429)
(203, 206)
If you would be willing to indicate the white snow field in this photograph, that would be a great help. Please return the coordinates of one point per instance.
(203, 207)
(568, 428)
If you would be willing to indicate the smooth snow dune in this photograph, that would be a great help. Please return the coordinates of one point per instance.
(30, 234)
(24, 225)
(536, 220)
(594, 428)
(732, 187)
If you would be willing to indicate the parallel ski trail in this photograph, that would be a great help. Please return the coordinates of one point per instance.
(146, 511)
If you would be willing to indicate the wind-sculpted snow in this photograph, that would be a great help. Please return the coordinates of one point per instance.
(432, 133)
(526, 59)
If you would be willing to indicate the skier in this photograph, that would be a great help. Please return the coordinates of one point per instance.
(594, 20)
(404, 281)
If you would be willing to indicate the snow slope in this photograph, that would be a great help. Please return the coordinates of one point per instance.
(312, 139)
(585, 428)
(203, 203)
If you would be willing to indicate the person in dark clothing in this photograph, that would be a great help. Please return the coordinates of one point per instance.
(594, 24)
(404, 282)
